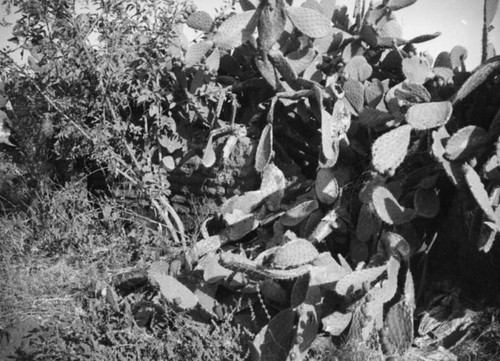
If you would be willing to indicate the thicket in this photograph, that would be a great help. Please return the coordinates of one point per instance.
(283, 178)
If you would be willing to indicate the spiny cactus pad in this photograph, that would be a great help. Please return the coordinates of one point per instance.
(174, 291)
(232, 31)
(354, 281)
(326, 186)
(465, 143)
(264, 149)
(483, 72)
(388, 208)
(200, 20)
(389, 150)
(358, 69)
(479, 192)
(309, 21)
(416, 70)
(354, 92)
(197, 51)
(294, 254)
(429, 115)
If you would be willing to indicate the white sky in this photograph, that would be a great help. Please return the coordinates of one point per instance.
(459, 21)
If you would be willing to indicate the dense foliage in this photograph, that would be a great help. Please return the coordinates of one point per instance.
(325, 146)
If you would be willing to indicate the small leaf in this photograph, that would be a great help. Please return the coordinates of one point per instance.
(389, 150)
(388, 208)
(429, 115)
(264, 151)
(308, 21)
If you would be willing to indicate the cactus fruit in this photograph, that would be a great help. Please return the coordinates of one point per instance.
(200, 20)
(309, 21)
(389, 150)
(293, 254)
(465, 143)
(388, 208)
(426, 202)
(429, 115)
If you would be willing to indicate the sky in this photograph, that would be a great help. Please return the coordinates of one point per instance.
(459, 21)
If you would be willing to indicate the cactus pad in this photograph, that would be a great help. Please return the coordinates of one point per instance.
(388, 208)
(232, 31)
(294, 254)
(416, 70)
(389, 150)
(197, 51)
(465, 143)
(358, 69)
(483, 72)
(429, 115)
(479, 192)
(354, 92)
(309, 21)
(200, 20)
(173, 290)
(354, 281)
(426, 202)
(326, 186)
